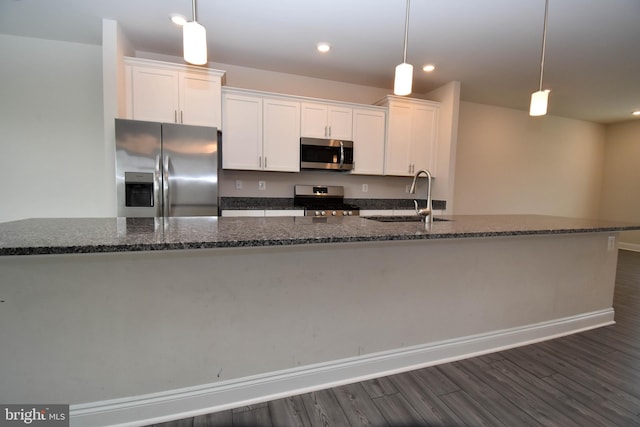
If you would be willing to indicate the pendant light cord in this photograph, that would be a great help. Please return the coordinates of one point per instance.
(544, 40)
(194, 10)
(406, 33)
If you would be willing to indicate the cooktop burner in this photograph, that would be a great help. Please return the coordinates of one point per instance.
(323, 201)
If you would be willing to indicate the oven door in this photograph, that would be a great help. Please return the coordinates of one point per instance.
(329, 154)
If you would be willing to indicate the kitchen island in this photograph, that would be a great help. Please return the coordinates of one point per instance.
(143, 320)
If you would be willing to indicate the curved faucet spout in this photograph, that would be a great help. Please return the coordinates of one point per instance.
(424, 212)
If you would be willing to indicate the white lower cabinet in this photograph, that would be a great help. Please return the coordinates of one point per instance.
(261, 212)
(260, 133)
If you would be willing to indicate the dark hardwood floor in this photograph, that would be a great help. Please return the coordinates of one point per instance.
(586, 379)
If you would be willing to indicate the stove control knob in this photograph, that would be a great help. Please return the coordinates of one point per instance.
(349, 213)
(317, 213)
(323, 213)
(334, 213)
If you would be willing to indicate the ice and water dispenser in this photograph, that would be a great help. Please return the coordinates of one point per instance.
(138, 189)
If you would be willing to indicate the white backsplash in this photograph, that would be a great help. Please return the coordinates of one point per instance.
(280, 184)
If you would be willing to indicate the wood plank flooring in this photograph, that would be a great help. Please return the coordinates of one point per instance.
(586, 379)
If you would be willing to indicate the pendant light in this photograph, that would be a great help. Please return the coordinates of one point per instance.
(194, 38)
(539, 99)
(404, 72)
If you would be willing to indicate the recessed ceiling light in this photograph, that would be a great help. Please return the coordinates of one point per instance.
(323, 47)
(429, 68)
(636, 113)
(178, 19)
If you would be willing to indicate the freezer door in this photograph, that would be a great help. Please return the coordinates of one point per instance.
(190, 170)
(138, 166)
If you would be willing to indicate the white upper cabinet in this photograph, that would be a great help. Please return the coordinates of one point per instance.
(242, 136)
(281, 134)
(412, 127)
(368, 141)
(321, 120)
(260, 132)
(153, 94)
(173, 93)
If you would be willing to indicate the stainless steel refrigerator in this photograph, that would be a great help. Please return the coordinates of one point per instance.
(166, 169)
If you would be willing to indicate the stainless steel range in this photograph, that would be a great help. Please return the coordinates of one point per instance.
(323, 201)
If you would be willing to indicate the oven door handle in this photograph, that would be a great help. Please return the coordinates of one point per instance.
(341, 154)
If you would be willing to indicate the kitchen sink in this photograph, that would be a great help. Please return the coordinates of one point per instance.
(400, 218)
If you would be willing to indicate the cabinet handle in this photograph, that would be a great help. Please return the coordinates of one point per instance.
(409, 168)
(175, 116)
(265, 162)
(181, 116)
(259, 161)
(329, 130)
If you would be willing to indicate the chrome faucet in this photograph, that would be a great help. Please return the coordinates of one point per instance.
(427, 213)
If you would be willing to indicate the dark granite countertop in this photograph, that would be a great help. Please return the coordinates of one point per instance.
(92, 235)
(284, 203)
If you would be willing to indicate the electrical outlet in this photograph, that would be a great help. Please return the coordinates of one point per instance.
(238, 184)
(365, 188)
(611, 243)
(262, 185)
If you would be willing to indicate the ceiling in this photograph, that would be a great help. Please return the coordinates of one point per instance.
(492, 47)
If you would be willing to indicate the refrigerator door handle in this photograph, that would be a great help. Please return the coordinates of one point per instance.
(157, 186)
(166, 188)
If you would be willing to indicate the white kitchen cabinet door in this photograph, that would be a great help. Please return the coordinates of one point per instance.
(412, 127)
(340, 122)
(153, 94)
(242, 212)
(399, 139)
(313, 122)
(326, 121)
(242, 136)
(283, 212)
(368, 141)
(200, 99)
(281, 135)
(424, 148)
(173, 93)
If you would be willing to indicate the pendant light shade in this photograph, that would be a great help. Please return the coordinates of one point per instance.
(539, 103)
(404, 72)
(194, 38)
(403, 80)
(539, 99)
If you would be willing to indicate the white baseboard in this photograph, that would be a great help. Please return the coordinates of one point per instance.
(629, 246)
(198, 400)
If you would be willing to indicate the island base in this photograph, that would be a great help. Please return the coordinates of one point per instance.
(151, 336)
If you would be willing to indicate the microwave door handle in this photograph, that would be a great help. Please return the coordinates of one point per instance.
(341, 154)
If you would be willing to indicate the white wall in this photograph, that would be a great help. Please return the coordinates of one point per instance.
(449, 98)
(508, 162)
(620, 199)
(52, 161)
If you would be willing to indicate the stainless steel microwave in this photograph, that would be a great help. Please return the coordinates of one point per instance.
(327, 154)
